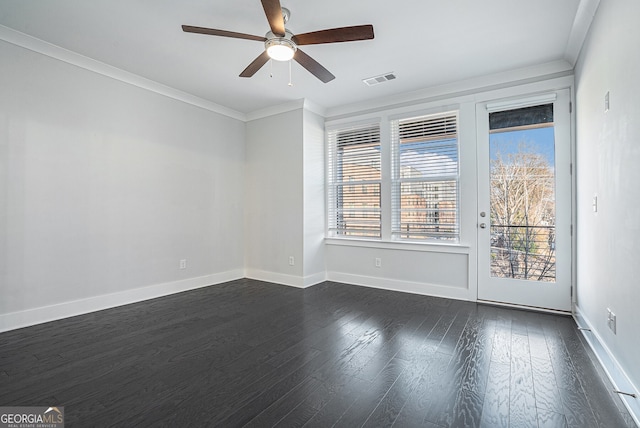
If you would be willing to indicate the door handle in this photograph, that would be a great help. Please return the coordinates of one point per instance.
(483, 225)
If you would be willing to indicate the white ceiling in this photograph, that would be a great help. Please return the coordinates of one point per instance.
(426, 43)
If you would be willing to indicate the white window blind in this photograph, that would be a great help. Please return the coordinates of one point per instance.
(425, 178)
(354, 181)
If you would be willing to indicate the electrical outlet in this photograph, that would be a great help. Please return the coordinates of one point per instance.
(292, 261)
(594, 203)
(611, 321)
(606, 102)
(183, 264)
(378, 262)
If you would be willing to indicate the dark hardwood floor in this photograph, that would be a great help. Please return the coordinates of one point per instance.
(249, 353)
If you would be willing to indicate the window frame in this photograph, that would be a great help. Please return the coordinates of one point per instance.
(397, 180)
(384, 117)
(337, 182)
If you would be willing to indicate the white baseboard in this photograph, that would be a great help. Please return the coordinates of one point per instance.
(15, 320)
(614, 370)
(403, 286)
(284, 279)
(314, 279)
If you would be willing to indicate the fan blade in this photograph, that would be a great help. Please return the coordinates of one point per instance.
(334, 35)
(224, 33)
(255, 65)
(274, 15)
(313, 66)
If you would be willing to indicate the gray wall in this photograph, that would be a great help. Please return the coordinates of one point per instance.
(284, 198)
(274, 198)
(608, 165)
(104, 187)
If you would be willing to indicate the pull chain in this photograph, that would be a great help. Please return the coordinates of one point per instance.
(290, 84)
(271, 65)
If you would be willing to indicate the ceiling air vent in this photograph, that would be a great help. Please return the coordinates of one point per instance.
(375, 80)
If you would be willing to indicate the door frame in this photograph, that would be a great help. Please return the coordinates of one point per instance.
(509, 291)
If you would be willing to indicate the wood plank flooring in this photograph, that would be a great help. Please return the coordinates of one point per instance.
(249, 353)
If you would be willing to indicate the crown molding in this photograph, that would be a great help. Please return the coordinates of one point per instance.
(274, 110)
(314, 108)
(550, 70)
(34, 44)
(580, 28)
(299, 104)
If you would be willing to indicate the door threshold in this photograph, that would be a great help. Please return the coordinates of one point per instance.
(524, 307)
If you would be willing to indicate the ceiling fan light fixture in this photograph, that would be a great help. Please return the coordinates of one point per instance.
(280, 48)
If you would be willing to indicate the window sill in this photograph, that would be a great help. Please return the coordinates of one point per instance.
(436, 247)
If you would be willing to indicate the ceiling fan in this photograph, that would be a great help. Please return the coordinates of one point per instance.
(282, 45)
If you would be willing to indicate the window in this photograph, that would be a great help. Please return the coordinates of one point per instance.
(522, 193)
(403, 187)
(354, 181)
(425, 178)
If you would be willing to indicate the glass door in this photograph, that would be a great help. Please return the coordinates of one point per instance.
(524, 223)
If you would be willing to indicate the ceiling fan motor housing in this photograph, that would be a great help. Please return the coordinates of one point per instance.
(286, 14)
